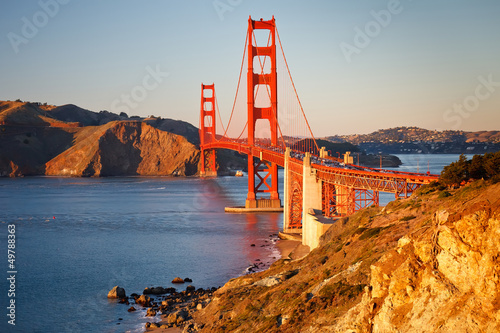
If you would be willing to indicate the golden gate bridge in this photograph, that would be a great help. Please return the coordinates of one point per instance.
(276, 133)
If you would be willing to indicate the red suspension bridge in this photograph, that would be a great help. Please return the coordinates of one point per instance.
(276, 133)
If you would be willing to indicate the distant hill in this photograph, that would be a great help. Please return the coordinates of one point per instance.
(418, 140)
(413, 134)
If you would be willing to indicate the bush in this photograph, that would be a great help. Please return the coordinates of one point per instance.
(408, 218)
(444, 194)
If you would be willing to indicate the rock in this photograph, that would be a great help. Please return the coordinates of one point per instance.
(117, 292)
(143, 300)
(275, 279)
(177, 317)
(199, 306)
(150, 312)
(124, 301)
(156, 291)
(190, 288)
(172, 318)
(131, 309)
(177, 280)
(188, 280)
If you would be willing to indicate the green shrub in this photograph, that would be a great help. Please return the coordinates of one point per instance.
(444, 194)
(369, 233)
(408, 218)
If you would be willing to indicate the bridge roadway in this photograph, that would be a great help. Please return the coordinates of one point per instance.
(332, 170)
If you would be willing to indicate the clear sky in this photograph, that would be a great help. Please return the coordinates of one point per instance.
(358, 66)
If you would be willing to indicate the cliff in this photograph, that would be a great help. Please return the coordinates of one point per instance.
(122, 148)
(429, 263)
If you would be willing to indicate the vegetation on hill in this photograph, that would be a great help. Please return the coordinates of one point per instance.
(485, 166)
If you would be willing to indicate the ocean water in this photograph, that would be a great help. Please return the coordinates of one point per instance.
(76, 238)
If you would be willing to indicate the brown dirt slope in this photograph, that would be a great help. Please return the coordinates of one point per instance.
(125, 148)
(429, 263)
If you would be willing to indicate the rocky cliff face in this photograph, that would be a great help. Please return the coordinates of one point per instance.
(126, 148)
(430, 263)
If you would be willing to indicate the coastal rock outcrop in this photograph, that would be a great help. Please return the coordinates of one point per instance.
(178, 280)
(117, 292)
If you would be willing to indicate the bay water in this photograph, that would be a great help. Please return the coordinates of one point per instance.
(76, 238)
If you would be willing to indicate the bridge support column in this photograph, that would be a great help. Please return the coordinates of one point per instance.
(265, 173)
(311, 194)
(208, 167)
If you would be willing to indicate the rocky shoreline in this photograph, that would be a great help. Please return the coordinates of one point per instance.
(173, 311)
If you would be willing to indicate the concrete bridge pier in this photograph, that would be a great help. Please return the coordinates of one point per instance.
(313, 223)
(286, 194)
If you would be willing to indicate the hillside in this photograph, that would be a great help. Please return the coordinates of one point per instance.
(401, 140)
(429, 263)
(123, 148)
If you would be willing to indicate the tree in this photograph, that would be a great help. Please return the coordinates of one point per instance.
(456, 172)
(492, 164)
(476, 167)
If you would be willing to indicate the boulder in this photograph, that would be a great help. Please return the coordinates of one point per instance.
(177, 280)
(188, 280)
(131, 309)
(143, 300)
(177, 317)
(190, 288)
(117, 292)
(151, 312)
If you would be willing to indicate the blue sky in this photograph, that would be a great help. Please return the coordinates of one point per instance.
(358, 66)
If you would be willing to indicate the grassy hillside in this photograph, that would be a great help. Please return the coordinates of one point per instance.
(429, 263)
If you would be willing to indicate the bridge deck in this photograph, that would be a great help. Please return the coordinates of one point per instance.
(334, 171)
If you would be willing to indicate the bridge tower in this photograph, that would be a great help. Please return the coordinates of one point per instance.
(207, 130)
(267, 82)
